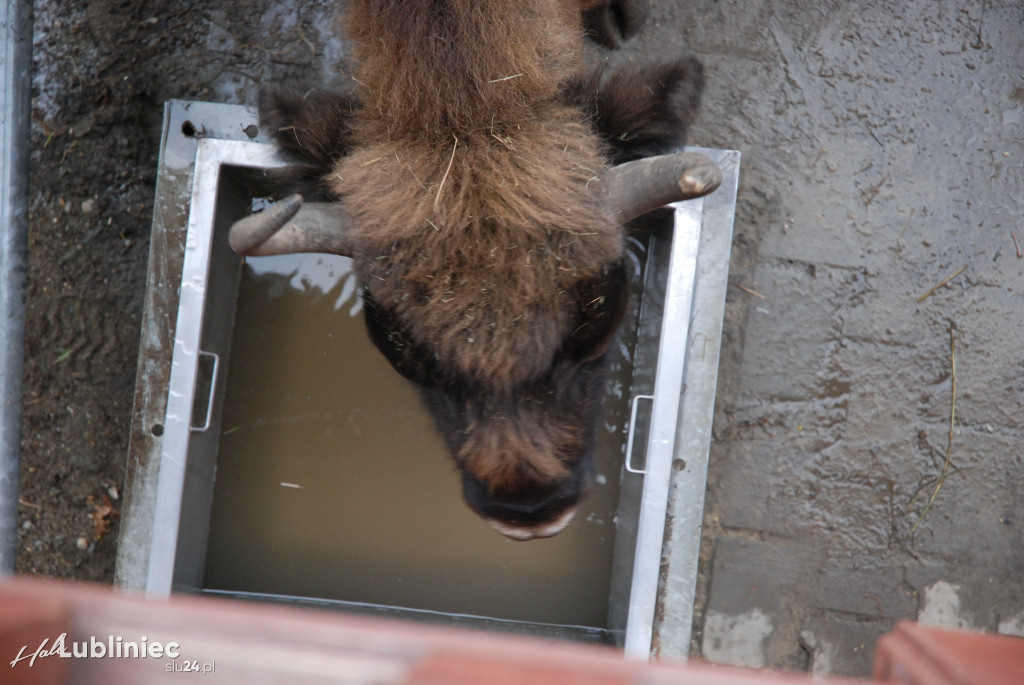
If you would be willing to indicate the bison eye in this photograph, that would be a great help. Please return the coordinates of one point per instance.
(601, 305)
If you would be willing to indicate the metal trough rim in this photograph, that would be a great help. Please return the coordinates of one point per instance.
(668, 387)
(670, 376)
(211, 154)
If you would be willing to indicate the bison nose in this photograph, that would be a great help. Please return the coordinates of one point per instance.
(536, 530)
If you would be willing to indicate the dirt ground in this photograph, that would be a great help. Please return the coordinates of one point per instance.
(102, 73)
(881, 152)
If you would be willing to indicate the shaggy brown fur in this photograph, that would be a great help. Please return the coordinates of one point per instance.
(468, 161)
(478, 249)
(431, 70)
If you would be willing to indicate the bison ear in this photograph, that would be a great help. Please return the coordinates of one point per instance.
(600, 309)
(609, 22)
(313, 126)
(640, 110)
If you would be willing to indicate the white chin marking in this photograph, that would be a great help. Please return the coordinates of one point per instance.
(542, 530)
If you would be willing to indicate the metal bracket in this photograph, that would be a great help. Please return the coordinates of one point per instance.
(213, 392)
(628, 462)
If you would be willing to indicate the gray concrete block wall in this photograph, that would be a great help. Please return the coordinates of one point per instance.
(883, 150)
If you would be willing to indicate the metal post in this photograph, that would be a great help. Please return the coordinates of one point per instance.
(15, 113)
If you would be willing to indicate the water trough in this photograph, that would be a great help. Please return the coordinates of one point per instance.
(275, 457)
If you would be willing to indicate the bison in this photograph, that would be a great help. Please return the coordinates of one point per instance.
(479, 176)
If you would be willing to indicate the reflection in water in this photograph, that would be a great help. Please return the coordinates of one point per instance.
(333, 483)
(308, 273)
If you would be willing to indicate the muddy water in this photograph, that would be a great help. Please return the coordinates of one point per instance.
(332, 482)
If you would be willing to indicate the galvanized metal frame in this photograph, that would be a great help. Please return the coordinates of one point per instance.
(15, 113)
(211, 156)
(681, 548)
(185, 124)
(679, 428)
(668, 387)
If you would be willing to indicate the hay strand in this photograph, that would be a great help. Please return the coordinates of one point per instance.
(952, 423)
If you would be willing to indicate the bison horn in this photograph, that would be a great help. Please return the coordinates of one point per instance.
(632, 189)
(292, 225)
(635, 188)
